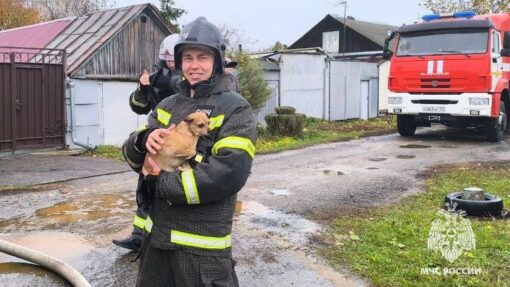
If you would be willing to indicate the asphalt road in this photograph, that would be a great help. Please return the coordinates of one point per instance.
(288, 200)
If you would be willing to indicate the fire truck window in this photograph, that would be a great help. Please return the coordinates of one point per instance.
(495, 42)
(455, 41)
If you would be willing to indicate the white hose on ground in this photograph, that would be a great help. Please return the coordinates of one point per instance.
(52, 263)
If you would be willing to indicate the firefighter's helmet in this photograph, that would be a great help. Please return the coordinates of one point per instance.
(166, 50)
(201, 32)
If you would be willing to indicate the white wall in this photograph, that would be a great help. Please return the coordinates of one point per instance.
(302, 83)
(118, 118)
(347, 99)
(102, 112)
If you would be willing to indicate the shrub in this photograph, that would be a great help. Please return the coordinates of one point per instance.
(285, 122)
(285, 110)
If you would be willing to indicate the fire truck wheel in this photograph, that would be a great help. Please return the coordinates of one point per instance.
(491, 206)
(495, 128)
(406, 125)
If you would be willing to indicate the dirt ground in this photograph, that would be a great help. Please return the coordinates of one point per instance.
(286, 204)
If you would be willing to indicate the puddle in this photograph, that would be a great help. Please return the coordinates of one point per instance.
(414, 146)
(332, 172)
(447, 146)
(279, 192)
(86, 209)
(291, 226)
(405, 156)
(25, 274)
(62, 245)
(378, 159)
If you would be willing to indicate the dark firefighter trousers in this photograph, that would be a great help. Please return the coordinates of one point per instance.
(176, 268)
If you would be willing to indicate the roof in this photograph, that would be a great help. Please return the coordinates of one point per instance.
(33, 36)
(376, 32)
(79, 36)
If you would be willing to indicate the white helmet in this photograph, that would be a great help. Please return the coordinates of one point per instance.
(166, 51)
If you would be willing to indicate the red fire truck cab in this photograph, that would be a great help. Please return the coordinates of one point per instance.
(452, 70)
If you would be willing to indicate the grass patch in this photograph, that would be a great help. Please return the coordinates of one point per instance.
(319, 131)
(107, 151)
(315, 132)
(388, 246)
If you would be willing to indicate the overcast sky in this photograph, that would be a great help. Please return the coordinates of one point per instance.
(268, 21)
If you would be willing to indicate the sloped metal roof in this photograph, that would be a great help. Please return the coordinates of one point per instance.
(87, 33)
(35, 36)
(376, 32)
(79, 36)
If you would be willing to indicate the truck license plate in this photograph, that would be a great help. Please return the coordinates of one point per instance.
(434, 109)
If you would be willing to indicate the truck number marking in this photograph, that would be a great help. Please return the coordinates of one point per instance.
(434, 109)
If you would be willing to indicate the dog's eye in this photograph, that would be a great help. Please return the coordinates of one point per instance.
(201, 125)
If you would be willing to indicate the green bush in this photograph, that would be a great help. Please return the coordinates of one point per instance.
(285, 124)
(285, 110)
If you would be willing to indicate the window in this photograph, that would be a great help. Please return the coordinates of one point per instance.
(331, 41)
(495, 42)
(454, 41)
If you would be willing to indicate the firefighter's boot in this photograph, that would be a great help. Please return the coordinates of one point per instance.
(133, 242)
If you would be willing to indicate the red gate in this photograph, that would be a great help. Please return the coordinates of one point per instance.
(32, 98)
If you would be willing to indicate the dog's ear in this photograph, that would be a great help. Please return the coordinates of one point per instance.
(189, 118)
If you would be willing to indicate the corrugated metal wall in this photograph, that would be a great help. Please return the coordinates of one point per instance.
(353, 90)
(272, 78)
(302, 83)
(331, 90)
(134, 48)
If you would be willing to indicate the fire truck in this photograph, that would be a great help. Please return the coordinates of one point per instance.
(451, 69)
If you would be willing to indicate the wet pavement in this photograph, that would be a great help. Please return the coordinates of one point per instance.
(286, 204)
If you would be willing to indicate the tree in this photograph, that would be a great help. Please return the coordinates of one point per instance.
(278, 46)
(170, 14)
(253, 87)
(480, 6)
(234, 37)
(17, 13)
(56, 9)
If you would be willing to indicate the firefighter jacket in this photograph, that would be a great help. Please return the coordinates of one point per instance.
(193, 210)
(163, 83)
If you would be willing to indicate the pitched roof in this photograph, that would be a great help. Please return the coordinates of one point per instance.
(79, 36)
(376, 32)
(33, 36)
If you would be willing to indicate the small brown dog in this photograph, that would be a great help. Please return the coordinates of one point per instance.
(181, 144)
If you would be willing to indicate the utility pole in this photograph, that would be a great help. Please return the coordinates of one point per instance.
(345, 19)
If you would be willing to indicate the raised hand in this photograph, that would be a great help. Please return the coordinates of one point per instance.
(144, 78)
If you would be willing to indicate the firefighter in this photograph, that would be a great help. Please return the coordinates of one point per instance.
(160, 84)
(231, 73)
(188, 229)
(150, 91)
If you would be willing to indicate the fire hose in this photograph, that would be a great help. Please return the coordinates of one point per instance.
(49, 262)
